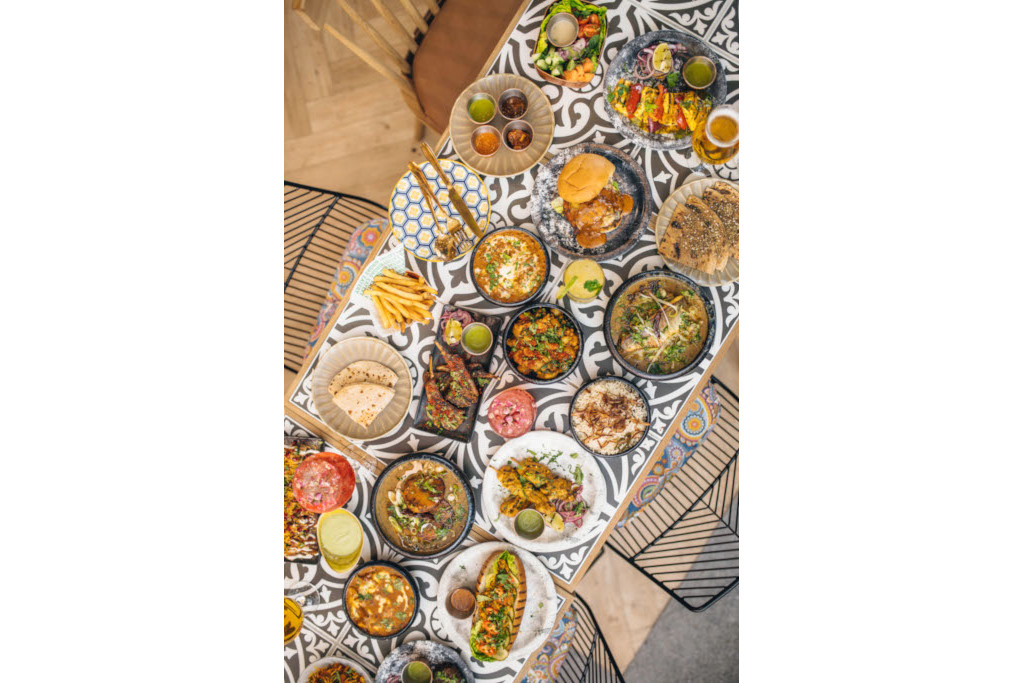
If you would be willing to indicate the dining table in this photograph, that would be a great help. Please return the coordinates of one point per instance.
(579, 118)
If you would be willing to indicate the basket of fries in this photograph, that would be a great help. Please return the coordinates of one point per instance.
(396, 297)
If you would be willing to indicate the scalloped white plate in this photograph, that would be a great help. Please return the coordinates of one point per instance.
(550, 443)
(731, 272)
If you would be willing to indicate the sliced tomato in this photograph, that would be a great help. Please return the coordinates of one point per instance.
(634, 98)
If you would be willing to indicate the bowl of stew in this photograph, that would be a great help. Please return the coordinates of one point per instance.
(423, 505)
(510, 266)
(389, 617)
(543, 343)
(660, 324)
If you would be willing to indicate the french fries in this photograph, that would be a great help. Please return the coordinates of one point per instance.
(400, 299)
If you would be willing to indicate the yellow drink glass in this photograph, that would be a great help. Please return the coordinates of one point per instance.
(340, 537)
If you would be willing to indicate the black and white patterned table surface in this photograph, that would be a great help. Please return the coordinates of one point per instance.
(579, 118)
(327, 632)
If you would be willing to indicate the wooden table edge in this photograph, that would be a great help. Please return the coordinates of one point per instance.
(581, 572)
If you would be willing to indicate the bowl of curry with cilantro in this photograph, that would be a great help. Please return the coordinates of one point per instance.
(381, 599)
(510, 266)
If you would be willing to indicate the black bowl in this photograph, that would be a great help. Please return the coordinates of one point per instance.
(647, 275)
(643, 398)
(405, 574)
(508, 332)
(547, 266)
(454, 469)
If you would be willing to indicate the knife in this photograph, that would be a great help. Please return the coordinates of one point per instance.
(460, 205)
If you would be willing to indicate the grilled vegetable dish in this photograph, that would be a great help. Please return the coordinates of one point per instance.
(655, 98)
(660, 326)
(532, 484)
(427, 507)
(578, 62)
(500, 598)
(543, 344)
(380, 601)
(659, 110)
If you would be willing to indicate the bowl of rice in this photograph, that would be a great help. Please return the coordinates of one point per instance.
(609, 416)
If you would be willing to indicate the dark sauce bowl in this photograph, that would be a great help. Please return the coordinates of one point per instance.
(709, 307)
(405, 575)
(507, 334)
(547, 266)
(378, 490)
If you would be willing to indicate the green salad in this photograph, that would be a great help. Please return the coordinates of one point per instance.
(576, 62)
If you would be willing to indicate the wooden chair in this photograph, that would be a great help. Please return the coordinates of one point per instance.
(430, 54)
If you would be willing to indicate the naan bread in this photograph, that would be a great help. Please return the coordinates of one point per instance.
(363, 371)
(695, 237)
(724, 200)
(363, 401)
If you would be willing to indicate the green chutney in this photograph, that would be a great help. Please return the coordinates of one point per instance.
(699, 74)
(481, 110)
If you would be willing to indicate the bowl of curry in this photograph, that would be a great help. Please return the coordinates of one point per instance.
(423, 505)
(381, 599)
(542, 343)
(660, 324)
(510, 266)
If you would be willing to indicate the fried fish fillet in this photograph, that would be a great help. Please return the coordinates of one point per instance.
(695, 237)
(724, 200)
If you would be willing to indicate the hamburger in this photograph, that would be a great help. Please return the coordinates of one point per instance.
(589, 198)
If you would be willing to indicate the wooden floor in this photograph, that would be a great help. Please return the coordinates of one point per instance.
(347, 129)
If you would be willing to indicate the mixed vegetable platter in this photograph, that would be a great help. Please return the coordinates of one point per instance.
(575, 63)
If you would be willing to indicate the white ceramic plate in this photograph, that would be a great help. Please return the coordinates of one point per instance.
(541, 600)
(326, 661)
(344, 353)
(731, 272)
(546, 443)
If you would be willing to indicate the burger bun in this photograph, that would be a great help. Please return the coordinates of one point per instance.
(584, 177)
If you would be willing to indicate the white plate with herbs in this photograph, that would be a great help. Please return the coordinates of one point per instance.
(579, 507)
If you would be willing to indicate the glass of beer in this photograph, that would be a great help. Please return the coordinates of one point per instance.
(297, 594)
(718, 139)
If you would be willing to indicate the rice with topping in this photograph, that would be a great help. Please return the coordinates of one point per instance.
(609, 417)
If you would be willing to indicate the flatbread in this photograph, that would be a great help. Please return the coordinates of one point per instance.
(363, 401)
(363, 371)
(724, 200)
(695, 237)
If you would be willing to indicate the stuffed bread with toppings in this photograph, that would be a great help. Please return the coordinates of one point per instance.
(500, 601)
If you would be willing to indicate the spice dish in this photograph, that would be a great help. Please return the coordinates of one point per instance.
(507, 160)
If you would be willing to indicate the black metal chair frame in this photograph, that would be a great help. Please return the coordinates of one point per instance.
(317, 227)
(593, 663)
(693, 557)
